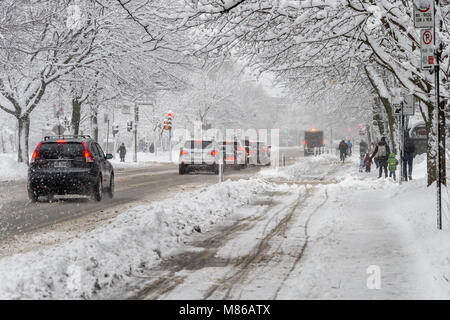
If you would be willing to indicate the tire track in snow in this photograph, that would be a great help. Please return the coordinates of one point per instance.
(303, 248)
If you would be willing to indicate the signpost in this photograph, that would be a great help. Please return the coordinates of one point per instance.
(427, 49)
(402, 107)
(424, 19)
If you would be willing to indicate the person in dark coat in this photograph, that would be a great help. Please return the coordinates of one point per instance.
(122, 152)
(382, 152)
(408, 157)
(363, 147)
(343, 147)
(152, 148)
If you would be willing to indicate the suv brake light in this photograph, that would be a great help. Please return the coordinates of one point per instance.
(34, 156)
(87, 155)
(213, 153)
(183, 153)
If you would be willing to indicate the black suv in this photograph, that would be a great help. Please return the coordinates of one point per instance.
(63, 165)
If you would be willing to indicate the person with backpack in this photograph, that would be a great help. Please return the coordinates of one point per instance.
(408, 157)
(392, 163)
(349, 143)
(343, 149)
(382, 152)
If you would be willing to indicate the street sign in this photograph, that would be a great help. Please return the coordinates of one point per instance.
(423, 14)
(427, 48)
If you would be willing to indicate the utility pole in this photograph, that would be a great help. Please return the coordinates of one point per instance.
(107, 137)
(438, 115)
(135, 131)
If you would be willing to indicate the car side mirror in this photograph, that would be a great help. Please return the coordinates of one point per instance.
(108, 156)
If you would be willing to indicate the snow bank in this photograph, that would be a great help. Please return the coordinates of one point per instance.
(100, 262)
(10, 169)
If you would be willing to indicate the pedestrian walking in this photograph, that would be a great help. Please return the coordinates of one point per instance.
(367, 162)
(363, 147)
(343, 146)
(408, 158)
(350, 145)
(392, 164)
(122, 152)
(382, 152)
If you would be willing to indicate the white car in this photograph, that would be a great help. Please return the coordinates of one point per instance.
(196, 155)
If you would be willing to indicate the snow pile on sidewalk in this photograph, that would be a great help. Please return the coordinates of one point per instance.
(10, 169)
(102, 261)
(313, 167)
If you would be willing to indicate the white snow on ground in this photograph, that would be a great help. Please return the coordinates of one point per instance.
(356, 221)
(10, 169)
(109, 255)
(374, 222)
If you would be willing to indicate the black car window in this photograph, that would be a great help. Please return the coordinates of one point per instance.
(94, 149)
(100, 151)
(54, 150)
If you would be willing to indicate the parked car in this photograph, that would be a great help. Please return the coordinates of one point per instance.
(62, 165)
(196, 155)
(233, 154)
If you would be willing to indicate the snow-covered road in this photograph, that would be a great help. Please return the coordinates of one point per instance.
(317, 229)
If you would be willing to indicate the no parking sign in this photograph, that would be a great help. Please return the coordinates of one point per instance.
(427, 48)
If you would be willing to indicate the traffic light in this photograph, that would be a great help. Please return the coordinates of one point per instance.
(166, 126)
(169, 119)
(129, 125)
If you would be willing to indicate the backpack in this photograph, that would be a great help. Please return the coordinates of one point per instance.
(382, 151)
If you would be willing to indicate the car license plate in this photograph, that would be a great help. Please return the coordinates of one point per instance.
(61, 164)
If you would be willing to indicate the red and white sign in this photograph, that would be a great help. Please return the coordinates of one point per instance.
(427, 49)
(427, 37)
(423, 13)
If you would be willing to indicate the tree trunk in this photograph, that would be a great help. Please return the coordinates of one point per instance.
(3, 142)
(431, 146)
(94, 121)
(23, 125)
(19, 139)
(76, 116)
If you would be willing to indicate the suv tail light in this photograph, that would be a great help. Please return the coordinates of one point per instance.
(34, 156)
(183, 153)
(87, 155)
(213, 153)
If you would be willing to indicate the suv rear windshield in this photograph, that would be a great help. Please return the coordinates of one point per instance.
(53, 150)
(191, 144)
